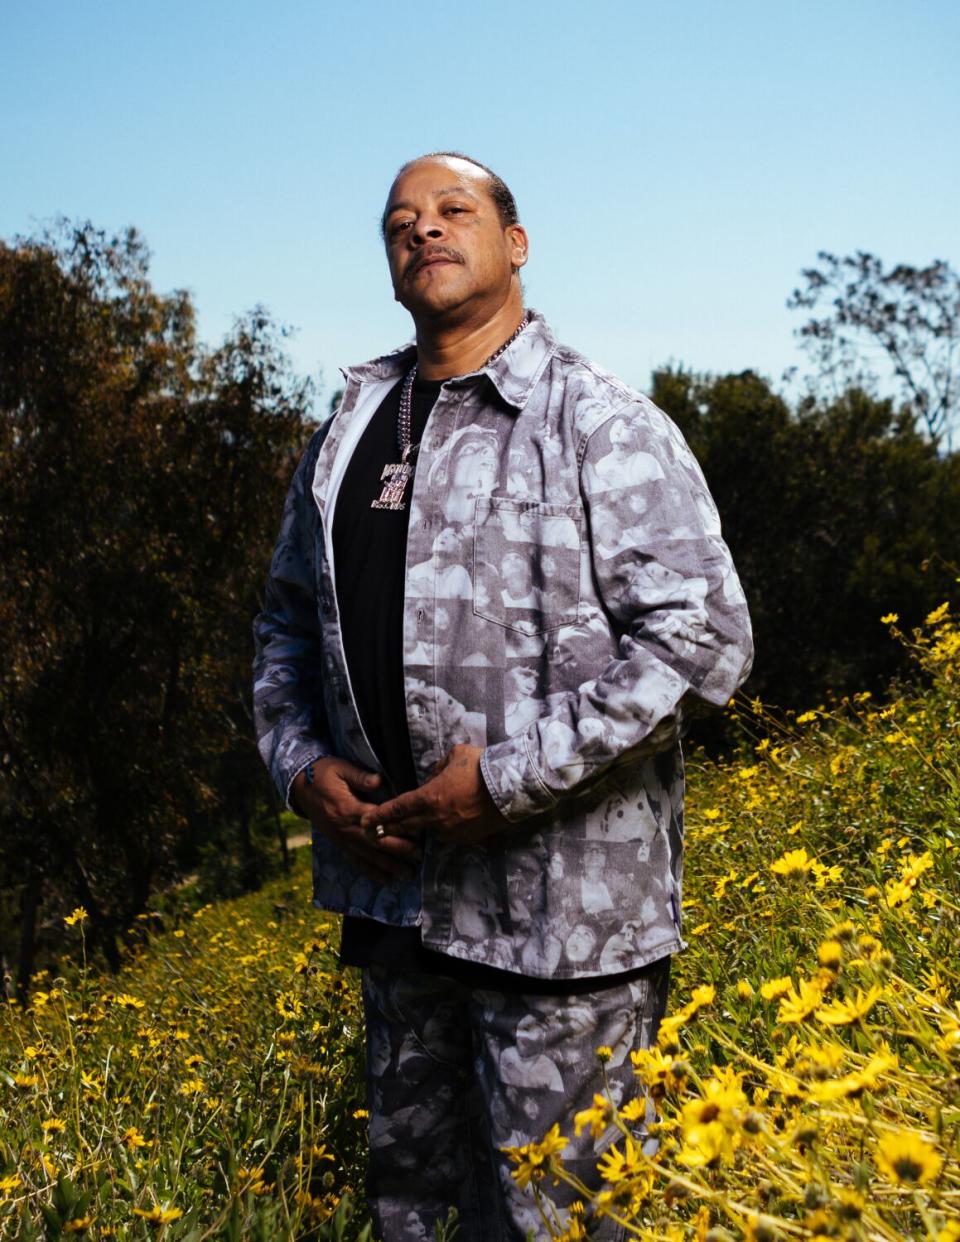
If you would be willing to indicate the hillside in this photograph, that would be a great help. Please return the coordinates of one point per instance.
(808, 1072)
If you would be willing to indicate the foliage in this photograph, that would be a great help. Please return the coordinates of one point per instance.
(806, 1079)
(142, 477)
(213, 1089)
(830, 512)
(907, 318)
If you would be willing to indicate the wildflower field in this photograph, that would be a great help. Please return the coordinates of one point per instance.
(807, 1076)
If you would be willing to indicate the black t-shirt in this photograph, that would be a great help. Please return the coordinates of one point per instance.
(369, 551)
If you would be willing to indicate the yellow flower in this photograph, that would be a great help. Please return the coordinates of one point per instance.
(720, 888)
(853, 1085)
(796, 1006)
(534, 1160)
(134, 1139)
(938, 614)
(806, 718)
(25, 1080)
(667, 1035)
(914, 866)
(575, 1230)
(53, 1125)
(616, 1166)
(744, 989)
(840, 1012)
(830, 954)
(653, 1067)
(891, 618)
(128, 1002)
(604, 1053)
(634, 1110)
(773, 989)
(597, 1117)
(701, 996)
(158, 1215)
(826, 875)
(78, 1224)
(792, 863)
(907, 1159)
(12, 1181)
(79, 916)
(706, 1144)
(191, 1086)
(289, 1005)
(950, 1035)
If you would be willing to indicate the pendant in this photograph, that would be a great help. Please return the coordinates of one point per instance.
(394, 478)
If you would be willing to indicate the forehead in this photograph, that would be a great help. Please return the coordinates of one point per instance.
(435, 176)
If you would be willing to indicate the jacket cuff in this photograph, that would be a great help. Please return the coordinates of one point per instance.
(310, 753)
(512, 779)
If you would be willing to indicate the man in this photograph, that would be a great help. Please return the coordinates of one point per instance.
(450, 829)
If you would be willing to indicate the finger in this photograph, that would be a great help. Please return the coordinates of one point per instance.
(396, 810)
(349, 810)
(359, 779)
(413, 826)
(392, 843)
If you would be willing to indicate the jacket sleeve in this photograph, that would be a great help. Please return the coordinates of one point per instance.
(288, 712)
(670, 592)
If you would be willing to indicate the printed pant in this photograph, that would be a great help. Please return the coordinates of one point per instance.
(455, 1073)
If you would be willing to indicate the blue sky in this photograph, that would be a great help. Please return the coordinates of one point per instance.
(676, 164)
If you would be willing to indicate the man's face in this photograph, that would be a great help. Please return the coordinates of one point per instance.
(413, 1227)
(448, 250)
(529, 1037)
(593, 861)
(516, 575)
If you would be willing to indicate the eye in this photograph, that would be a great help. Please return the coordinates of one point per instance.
(398, 227)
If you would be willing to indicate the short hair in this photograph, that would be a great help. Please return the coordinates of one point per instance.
(500, 192)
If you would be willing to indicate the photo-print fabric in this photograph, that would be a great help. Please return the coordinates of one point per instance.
(454, 1074)
(569, 603)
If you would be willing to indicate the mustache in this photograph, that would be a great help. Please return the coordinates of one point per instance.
(435, 252)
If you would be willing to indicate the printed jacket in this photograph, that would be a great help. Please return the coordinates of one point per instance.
(569, 603)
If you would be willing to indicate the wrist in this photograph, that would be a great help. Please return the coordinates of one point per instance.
(303, 780)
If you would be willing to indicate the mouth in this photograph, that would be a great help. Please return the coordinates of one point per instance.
(432, 260)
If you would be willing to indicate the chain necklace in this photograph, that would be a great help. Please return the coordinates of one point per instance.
(396, 475)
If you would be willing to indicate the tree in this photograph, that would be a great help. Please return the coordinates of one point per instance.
(836, 513)
(143, 477)
(907, 319)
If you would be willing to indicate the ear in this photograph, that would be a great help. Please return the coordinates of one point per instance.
(519, 245)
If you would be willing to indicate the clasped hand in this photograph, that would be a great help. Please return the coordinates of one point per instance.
(454, 803)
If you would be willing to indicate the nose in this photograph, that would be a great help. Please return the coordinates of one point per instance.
(427, 227)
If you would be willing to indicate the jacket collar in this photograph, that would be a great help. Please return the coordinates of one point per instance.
(514, 374)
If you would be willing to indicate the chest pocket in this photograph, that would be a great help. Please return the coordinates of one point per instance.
(526, 563)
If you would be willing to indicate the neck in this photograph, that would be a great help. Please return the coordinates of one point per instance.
(445, 350)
